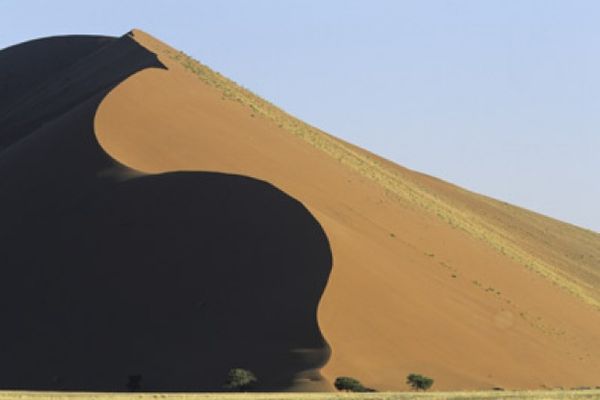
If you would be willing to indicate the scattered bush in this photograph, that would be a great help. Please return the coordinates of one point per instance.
(419, 382)
(240, 380)
(350, 385)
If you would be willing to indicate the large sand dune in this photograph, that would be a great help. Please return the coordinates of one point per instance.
(426, 277)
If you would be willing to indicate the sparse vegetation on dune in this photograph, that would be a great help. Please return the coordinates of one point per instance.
(345, 383)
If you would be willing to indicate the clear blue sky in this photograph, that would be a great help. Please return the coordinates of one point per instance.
(501, 97)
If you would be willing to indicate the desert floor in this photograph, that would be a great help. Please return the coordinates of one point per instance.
(537, 395)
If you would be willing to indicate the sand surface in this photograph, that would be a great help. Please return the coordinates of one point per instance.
(426, 277)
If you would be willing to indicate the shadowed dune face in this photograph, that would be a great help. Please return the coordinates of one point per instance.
(175, 277)
(50, 155)
(46, 78)
(27, 66)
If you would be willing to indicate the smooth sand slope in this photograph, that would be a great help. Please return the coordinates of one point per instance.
(426, 277)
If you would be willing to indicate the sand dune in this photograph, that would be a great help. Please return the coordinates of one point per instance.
(175, 277)
(426, 277)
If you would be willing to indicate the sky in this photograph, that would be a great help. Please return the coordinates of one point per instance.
(500, 97)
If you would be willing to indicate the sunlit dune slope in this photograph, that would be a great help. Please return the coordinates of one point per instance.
(426, 277)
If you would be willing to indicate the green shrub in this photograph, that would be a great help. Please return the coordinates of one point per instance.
(240, 380)
(419, 382)
(350, 385)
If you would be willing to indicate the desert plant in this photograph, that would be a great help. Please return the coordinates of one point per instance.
(240, 380)
(419, 382)
(350, 385)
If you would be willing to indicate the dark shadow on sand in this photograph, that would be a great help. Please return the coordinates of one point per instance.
(174, 277)
(171, 279)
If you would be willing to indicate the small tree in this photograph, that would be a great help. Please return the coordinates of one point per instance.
(240, 380)
(419, 382)
(350, 385)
